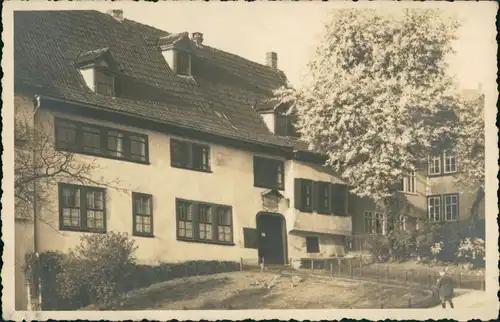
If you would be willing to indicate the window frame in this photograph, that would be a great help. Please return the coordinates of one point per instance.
(106, 73)
(177, 54)
(450, 156)
(78, 146)
(257, 175)
(190, 155)
(82, 208)
(195, 221)
(374, 218)
(409, 181)
(435, 197)
(134, 215)
(431, 160)
(321, 188)
(457, 204)
(316, 238)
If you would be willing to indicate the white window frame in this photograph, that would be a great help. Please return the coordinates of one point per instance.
(368, 215)
(410, 183)
(431, 168)
(402, 222)
(439, 215)
(446, 158)
(451, 204)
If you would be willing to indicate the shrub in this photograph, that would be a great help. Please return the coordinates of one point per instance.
(378, 246)
(403, 244)
(471, 251)
(98, 269)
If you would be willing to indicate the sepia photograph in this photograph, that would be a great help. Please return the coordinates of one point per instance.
(302, 160)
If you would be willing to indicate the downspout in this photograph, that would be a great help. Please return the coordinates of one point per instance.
(35, 221)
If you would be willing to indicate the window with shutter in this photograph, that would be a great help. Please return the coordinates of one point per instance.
(307, 195)
(339, 199)
(268, 173)
(188, 155)
(322, 196)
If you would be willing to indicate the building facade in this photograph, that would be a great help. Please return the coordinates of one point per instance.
(193, 160)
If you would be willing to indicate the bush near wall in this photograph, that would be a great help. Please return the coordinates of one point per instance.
(64, 286)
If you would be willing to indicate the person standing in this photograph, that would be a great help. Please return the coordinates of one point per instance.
(445, 289)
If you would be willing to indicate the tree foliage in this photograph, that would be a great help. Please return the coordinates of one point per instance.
(377, 96)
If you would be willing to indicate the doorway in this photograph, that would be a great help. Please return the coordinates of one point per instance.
(271, 230)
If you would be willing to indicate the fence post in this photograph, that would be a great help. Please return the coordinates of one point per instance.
(387, 273)
(409, 302)
(459, 279)
(406, 277)
(430, 281)
(312, 264)
(241, 263)
(331, 269)
(381, 305)
(483, 282)
(378, 274)
(340, 268)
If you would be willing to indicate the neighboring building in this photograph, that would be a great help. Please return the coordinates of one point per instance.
(431, 193)
(208, 168)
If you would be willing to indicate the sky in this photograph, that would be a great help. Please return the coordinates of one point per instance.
(292, 30)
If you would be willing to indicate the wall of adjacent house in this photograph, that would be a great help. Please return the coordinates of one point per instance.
(330, 229)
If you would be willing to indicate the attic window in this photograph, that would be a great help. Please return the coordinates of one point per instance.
(104, 83)
(283, 125)
(182, 63)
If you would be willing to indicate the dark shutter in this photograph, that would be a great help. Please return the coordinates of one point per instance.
(338, 199)
(250, 239)
(315, 195)
(298, 193)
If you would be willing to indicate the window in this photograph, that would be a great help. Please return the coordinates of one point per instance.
(444, 163)
(374, 222)
(450, 207)
(224, 224)
(339, 199)
(183, 63)
(409, 183)
(434, 165)
(101, 141)
(434, 208)
(312, 244)
(283, 125)
(204, 222)
(184, 220)
(402, 223)
(304, 195)
(188, 155)
(268, 173)
(142, 205)
(450, 165)
(323, 197)
(104, 83)
(81, 208)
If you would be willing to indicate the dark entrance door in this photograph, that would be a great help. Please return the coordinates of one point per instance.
(270, 229)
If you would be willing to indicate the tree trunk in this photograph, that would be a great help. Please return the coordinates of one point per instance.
(474, 210)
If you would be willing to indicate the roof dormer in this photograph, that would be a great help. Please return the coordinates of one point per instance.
(98, 70)
(277, 118)
(177, 51)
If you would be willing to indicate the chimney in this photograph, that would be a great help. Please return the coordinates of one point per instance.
(116, 13)
(272, 59)
(197, 37)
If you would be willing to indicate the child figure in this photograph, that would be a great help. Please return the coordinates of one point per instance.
(445, 288)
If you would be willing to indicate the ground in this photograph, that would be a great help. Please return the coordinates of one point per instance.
(248, 290)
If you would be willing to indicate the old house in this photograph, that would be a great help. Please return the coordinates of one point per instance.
(207, 166)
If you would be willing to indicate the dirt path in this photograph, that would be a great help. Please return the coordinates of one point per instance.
(248, 290)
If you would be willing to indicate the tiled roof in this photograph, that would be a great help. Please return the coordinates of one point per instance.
(220, 98)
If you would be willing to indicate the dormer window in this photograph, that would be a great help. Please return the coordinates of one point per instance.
(283, 125)
(98, 69)
(104, 82)
(182, 63)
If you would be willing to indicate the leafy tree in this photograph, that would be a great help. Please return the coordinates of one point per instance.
(470, 146)
(377, 97)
